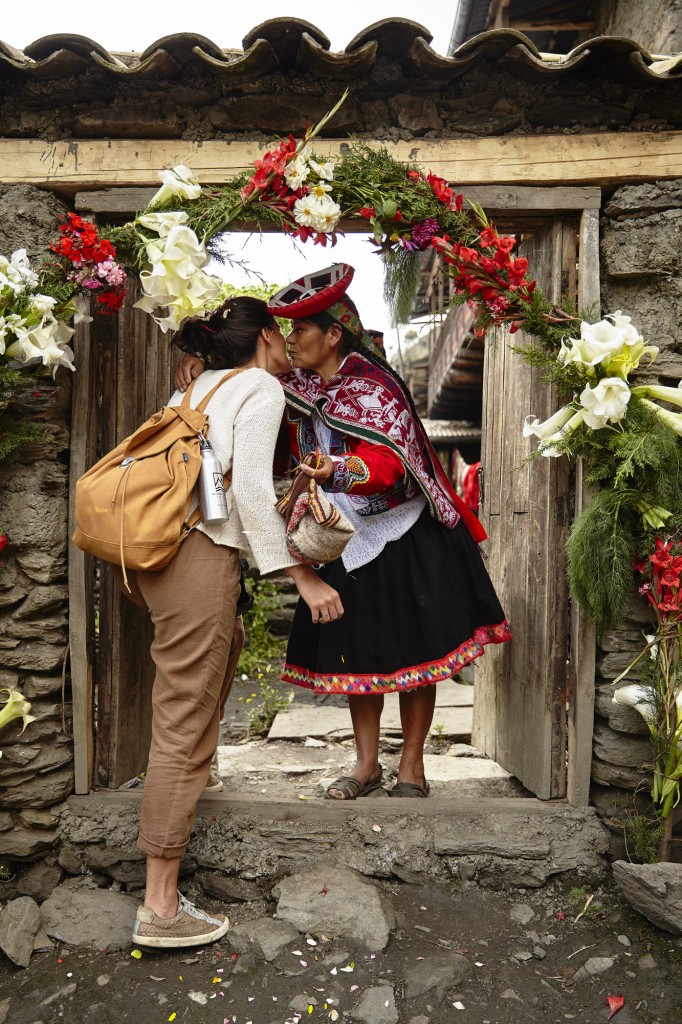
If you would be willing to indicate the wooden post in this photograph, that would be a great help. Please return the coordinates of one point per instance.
(583, 633)
(81, 566)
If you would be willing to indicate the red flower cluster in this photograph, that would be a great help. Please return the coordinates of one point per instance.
(92, 263)
(271, 167)
(489, 274)
(663, 590)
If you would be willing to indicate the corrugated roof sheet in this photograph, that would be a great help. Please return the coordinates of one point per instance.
(285, 43)
(451, 431)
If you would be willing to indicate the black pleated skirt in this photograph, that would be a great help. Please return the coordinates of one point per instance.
(416, 614)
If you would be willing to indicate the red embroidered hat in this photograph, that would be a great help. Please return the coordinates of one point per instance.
(313, 293)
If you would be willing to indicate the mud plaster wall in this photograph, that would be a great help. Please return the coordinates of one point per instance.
(36, 769)
(641, 240)
(386, 103)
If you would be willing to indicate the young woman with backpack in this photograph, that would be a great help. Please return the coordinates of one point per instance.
(192, 602)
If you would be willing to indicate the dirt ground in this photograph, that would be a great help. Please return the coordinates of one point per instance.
(215, 986)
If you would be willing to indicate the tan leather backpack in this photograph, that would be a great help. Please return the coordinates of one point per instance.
(132, 506)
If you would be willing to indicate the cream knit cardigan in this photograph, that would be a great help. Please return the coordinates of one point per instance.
(244, 417)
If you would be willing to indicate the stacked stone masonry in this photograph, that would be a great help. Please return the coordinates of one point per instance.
(641, 240)
(36, 768)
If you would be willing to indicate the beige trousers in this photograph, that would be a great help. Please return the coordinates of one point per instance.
(196, 647)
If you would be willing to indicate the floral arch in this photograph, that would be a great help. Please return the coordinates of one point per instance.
(628, 441)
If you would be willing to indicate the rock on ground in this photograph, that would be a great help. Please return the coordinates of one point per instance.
(654, 890)
(19, 924)
(435, 975)
(376, 1006)
(96, 918)
(267, 936)
(332, 900)
(595, 965)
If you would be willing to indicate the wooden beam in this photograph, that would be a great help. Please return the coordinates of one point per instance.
(593, 159)
(81, 568)
(582, 667)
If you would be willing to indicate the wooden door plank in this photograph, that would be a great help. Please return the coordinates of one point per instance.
(596, 158)
(583, 633)
(81, 566)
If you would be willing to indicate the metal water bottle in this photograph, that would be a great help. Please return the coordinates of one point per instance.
(212, 498)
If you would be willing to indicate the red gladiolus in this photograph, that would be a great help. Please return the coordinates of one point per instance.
(488, 237)
(459, 203)
(368, 212)
(3, 542)
(415, 175)
(440, 188)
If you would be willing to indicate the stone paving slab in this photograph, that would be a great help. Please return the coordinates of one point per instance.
(299, 723)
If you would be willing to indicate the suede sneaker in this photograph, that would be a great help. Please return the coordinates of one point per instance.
(214, 784)
(189, 927)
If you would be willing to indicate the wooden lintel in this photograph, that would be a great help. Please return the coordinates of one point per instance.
(594, 159)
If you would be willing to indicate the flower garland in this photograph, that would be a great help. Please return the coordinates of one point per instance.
(621, 432)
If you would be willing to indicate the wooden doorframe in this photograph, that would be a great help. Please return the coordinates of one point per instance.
(505, 203)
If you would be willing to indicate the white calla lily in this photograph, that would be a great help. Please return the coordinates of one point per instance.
(673, 420)
(660, 393)
(45, 341)
(16, 706)
(553, 430)
(606, 402)
(163, 223)
(176, 279)
(178, 181)
(640, 697)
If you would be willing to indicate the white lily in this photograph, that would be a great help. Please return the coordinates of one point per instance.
(16, 706)
(177, 181)
(606, 402)
(41, 304)
(46, 341)
(595, 344)
(659, 392)
(80, 305)
(673, 420)
(163, 223)
(8, 328)
(549, 427)
(642, 698)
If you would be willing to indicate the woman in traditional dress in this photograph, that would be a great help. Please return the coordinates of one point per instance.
(418, 602)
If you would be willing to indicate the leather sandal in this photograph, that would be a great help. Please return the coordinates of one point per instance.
(410, 789)
(353, 788)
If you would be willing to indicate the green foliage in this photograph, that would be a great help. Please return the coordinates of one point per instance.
(401, 281)
(261, 716)
(643, 837)
(637, 465)
(15, 428)
(601, 547)
(261, 647)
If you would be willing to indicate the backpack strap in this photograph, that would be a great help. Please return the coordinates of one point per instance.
(207, 398)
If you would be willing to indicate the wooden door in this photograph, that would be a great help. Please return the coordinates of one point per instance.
(520, 711)
(125, 368)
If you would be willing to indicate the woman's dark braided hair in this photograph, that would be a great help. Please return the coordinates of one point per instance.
(350, 343)
(229, 336)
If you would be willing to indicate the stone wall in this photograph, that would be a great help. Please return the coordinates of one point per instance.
(654, 24)
(641, 264)
(36, 768)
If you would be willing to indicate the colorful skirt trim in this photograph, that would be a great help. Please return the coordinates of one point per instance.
(404, 679)
(416, 614)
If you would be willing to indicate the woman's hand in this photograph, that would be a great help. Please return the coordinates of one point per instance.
(187, 369)
(322, 469)
(323, 601)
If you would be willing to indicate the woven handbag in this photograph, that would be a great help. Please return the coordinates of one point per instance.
(316, 531)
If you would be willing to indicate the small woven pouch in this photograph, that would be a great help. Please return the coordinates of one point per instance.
(317, 531)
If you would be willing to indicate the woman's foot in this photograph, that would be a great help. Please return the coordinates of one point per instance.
(189, 927)
(357, 784)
